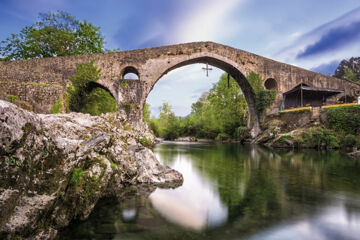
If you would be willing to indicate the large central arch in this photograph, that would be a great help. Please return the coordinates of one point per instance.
(227, 66)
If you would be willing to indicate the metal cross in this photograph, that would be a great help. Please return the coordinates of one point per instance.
(207, 69)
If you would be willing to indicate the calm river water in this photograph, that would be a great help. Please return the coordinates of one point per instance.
(232, 191)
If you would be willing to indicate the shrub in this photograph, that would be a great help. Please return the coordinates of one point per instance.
(146, 142)
(321, 137)
(345, 120)
(350, 141)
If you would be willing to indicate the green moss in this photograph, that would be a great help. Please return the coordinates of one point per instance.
(113, 165)
(12, 98)
(57, 106)
(123, 83)
(146, 142)
(77, 175)
(127, 106)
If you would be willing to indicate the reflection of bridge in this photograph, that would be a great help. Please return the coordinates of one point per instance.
(41, 81)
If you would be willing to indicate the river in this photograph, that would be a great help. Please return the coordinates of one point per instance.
(231, 191)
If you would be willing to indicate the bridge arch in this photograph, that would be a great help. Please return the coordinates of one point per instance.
(224, 64)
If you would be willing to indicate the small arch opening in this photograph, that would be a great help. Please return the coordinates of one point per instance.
(270, 84)
(130, 73)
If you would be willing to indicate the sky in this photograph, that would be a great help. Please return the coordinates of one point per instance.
(315, 35)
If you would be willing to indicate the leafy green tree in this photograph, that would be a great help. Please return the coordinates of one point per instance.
(350, 75)
(352, 64)
(55, 34)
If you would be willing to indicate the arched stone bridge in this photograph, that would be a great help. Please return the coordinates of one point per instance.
(40, 82)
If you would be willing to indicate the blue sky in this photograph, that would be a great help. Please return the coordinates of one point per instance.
(310, 34)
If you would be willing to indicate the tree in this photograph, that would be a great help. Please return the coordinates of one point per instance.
(349, 69)
(55, 34)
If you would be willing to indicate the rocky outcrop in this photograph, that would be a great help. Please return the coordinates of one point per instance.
(54, 168)
(355, 154)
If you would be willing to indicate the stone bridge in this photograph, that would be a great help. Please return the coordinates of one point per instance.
(38, 83)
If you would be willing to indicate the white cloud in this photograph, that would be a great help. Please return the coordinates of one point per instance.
(205, 20)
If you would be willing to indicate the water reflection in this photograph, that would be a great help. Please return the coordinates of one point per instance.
(232, 191)
(196, 204)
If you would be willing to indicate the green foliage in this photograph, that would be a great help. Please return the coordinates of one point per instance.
(77, 175)
(12, 98)
(350, 75)
(99, 101)
(57, 106)
(321, 137)
(222, 137)
(344, 120)
(263, 98)
(146, 113)
(55, 34)
(349, 69)
(350, 141)
(146, 142)
(220, 111)
(82, 98)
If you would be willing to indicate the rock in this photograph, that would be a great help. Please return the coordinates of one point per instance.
(54, 168)
(355, 154)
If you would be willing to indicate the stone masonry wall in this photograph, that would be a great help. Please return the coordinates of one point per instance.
(21, 77)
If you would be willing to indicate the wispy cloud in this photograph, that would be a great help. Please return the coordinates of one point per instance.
(332, 41)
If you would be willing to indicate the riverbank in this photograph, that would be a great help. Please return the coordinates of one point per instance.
(54, 168)
(318, 128)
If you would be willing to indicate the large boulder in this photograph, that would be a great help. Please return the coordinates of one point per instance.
(54, 168)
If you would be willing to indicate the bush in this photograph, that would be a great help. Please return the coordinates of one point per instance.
(146, 142)
(321, 137)
(344, 120)
(350, 141)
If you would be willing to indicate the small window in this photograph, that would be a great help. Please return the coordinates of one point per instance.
(130, 73)
(270, 84)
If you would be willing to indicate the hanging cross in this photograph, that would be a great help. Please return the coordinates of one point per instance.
(207, 69)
